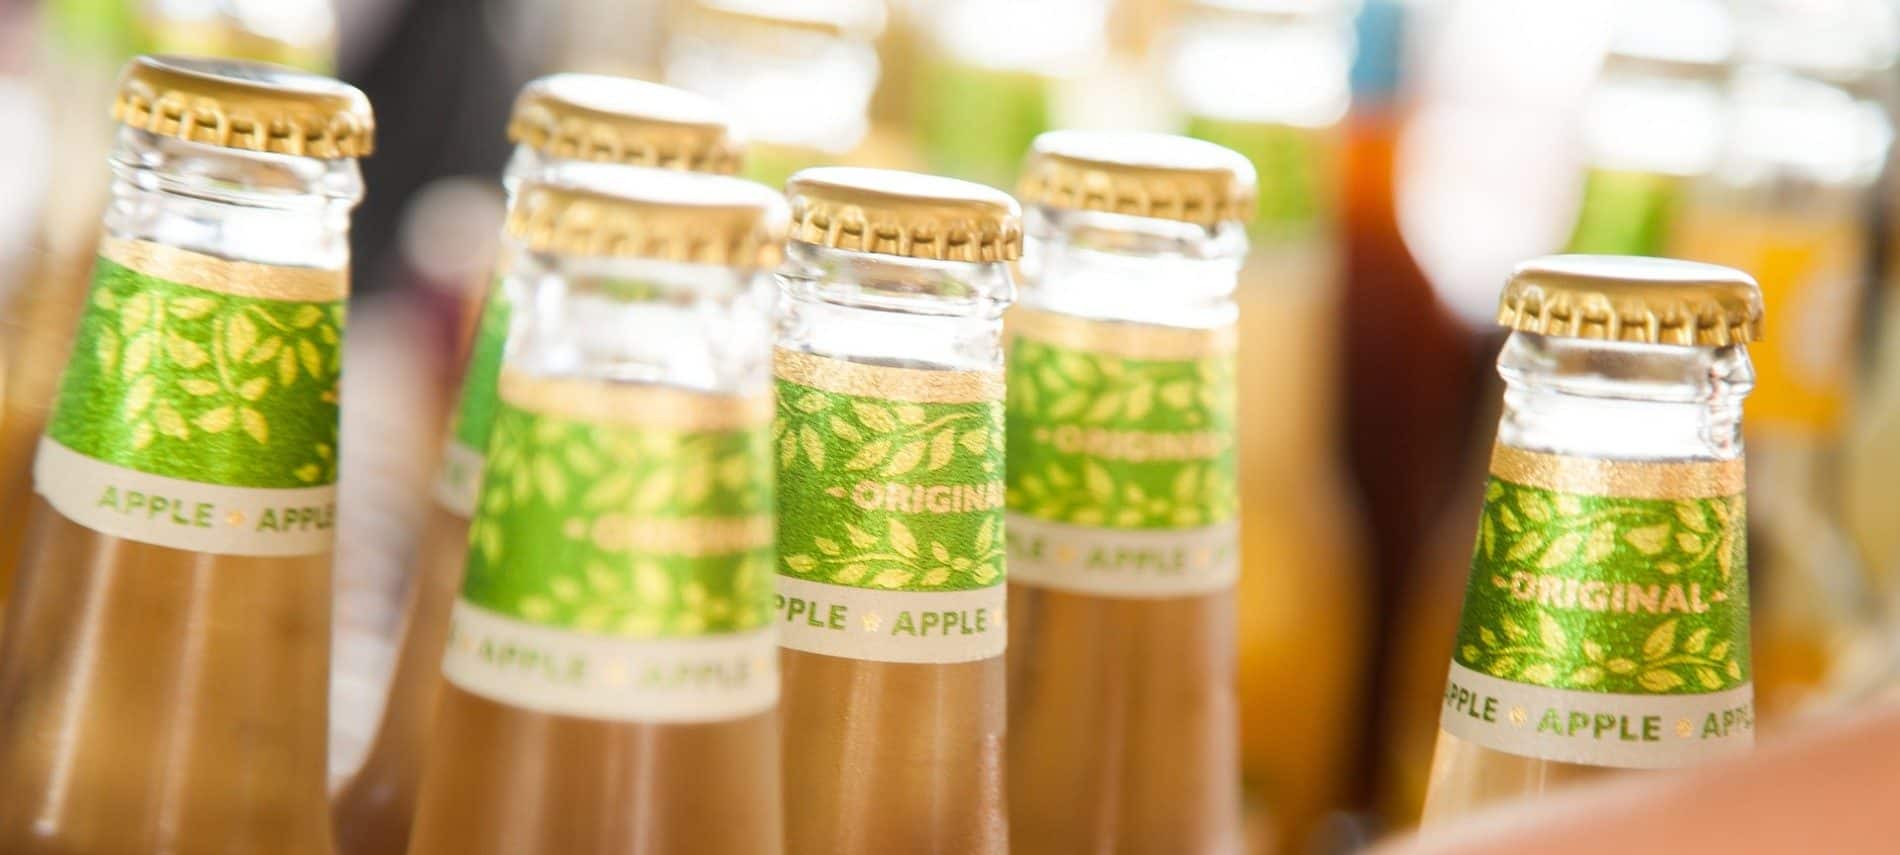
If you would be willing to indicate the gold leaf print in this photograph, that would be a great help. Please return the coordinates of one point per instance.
(812, 402)
(1104, 408)
(736, 472)
(1696, 641)
(1602, 542)
(987, 573)
(107, 349)
(813, 445)
(902, 540)
(1512, 630)
(1620, 665)
(895, 577)
(870, 455)
(1100, 484)
(844, 430)
(696, 484)
(787, 450)
(1719, 652)
(801, 563)
(1710, 679)
(1660, 680)
(1661, 640)
(137, 313)
(240, 333)
(308, 472)
(1550, 633)
(312, 361)
(608, 491)
(143, 435)
(936, 577)
(1508, 519)
(306, 317)
(1734, 669)
(1503, 667)
(286, 367)
(1525, 548)
(104, 299)
(254, 388)
(582, 460)
(975, 441)
(940, 553)
(827, 546)
(1179, 394)
(985, 535)
(1533, 506)
(1561, 550)
(859, 537)
(942, 446)
(265, 352)
(910, 414)
(1588, 675)
(1688, 542)
(1141, 400)
(906, 458)
(254, 424)
(1649, 540)
(1568, 505)
(138, 355)
(140, 395)
(874, 417)
(1542, 672)
(191, 308)
(652, 584)
(185, 352)
(1187, 484)
(549, 480)
(169, 422)
(1490, 638)
(1593, 651)
(654, 492)
(851, 574)
(1691, 516)
(214, 420)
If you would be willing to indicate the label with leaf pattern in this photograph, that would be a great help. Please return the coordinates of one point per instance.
(1122, 457)
(1606, 620)
(198, 410)
(620, 558)
(460, 478)
(890, 511)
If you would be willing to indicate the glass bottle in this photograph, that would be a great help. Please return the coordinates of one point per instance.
(1124, 722)
(1788, 204)
(1269, 80)
(165, 669)
(890, 449)
(610, 674)
(1606, 619)
(989, 78)
(1652, 123)
(797, 76)
(88, 42)
(558, 120)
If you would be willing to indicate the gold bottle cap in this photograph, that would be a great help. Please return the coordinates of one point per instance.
(1161, 176)
(859, 20)
(245, 105)
(590, 209)
(1635, 299)
(888, 212)
(606, 119)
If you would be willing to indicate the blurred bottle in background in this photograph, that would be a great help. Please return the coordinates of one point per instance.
(84, 43)
(1788, 204)
(1652, 123)
(989, 76)
(798, 77)
(1270, 80)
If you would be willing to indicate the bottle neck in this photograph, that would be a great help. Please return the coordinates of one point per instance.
(890, 310)
(1621, 401)
(692, 326)
(238, 205)
(1135, 269)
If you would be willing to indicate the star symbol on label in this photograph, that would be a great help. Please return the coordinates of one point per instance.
(1683, 728)
(235, 519)
(1519, 716)
(872, 621)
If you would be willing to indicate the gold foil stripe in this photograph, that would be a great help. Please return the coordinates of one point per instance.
(1126, 339)
(1622, 479)
(646, 406)
(236, 278)
(919, 386)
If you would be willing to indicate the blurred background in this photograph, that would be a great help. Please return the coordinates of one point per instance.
(1409, 154)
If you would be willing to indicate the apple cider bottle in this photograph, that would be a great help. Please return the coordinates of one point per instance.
(610, 675)
(560, 119)
(165, 671)
(1606, 621)
(889, 443)
(1123, 511)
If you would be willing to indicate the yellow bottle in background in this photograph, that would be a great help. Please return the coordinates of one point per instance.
(1605, 621)
(1272, 86)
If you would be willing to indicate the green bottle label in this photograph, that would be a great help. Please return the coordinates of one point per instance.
(1606, 621)
(1625, 213)
(1122, 457)
(890, 510)
(1297, 171)
(462, 457)
(976, 122)
(620, 559)
(198, 410)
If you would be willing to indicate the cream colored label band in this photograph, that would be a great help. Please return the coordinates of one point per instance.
(187, 515)
(926, 627)
(1597, 728)
(1130, 563)
(669, 680)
